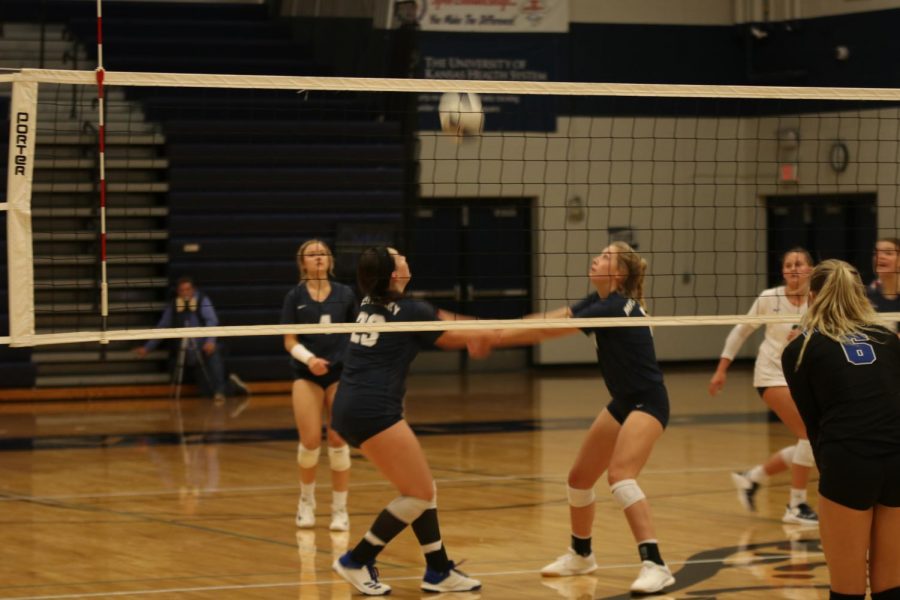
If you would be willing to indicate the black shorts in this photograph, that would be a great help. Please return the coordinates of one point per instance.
(858, 482)
(355, 430)
(333, 375)
(654, 402)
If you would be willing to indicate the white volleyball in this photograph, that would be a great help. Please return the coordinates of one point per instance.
(461, 113)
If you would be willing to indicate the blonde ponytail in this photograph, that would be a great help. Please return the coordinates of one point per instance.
(840, 308)
(635, 268)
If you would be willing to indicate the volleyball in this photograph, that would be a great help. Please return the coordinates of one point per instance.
(461, 114)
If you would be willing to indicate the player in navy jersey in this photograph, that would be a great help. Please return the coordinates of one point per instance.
(844, 375)
(884, 293)
(316, 360)
(368, 413)
(621, 438)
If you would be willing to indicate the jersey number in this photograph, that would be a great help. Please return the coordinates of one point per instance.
(858, 352)
(326, 319)
(366, 338)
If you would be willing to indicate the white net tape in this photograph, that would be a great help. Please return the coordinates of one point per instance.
(23, 331)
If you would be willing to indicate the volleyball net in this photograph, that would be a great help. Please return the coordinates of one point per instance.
(223, 177)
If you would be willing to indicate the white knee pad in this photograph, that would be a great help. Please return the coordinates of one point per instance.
(307, 458)
(579, 498)
(339, 458)
(407, 508)
(803, 454)
(787, 454)
(626, 492)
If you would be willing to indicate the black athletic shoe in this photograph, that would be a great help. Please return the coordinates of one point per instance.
(802, 514)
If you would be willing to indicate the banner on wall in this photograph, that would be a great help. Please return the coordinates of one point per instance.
(494, 57)
(494, 16)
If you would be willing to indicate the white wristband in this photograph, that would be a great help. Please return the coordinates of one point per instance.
(300, 352)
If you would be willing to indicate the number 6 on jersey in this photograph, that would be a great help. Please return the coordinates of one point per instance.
(858, 352)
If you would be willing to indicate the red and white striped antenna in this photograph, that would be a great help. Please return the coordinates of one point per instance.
(101, 141)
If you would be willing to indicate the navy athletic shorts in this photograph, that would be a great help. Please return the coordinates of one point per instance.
(333, 375)
(355, 431)
(654, 402)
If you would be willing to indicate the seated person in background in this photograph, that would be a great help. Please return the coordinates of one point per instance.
(192, 308)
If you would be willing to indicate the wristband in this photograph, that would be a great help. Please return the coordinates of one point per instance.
(300, 353)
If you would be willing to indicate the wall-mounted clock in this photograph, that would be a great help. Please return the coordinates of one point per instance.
(839, 157)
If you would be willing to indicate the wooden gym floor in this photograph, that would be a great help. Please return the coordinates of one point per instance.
(106, 499)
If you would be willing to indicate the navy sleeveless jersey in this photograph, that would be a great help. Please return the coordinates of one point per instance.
(626, 354)
(883, 304)
(339, 307)
(373, 382)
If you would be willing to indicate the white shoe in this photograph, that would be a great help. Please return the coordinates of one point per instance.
(453, 580)
(746, 490)
(652, 578)
(570, 563)
(363, 577)
(802, 514)
(340, 520)
(306, 514)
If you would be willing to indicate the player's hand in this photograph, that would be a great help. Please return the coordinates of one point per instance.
(793, 334)
(480, 347)
(209, 348)
(716, 383)
(318, 366)
(140, 351)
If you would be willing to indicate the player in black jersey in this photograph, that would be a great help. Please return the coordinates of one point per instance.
(621, 438)
(368, 413)
(316, 361)
(884, 293)
(844, 375)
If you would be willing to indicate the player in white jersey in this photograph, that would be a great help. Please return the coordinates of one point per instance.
(768, 378)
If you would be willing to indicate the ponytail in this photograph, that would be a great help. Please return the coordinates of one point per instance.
(635, 268)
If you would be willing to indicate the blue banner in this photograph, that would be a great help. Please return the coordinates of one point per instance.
(494, 57)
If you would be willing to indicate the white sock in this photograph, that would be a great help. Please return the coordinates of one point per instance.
(797, 497)
(338, 499)
(757, 474)
(308, 491)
